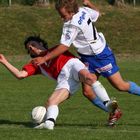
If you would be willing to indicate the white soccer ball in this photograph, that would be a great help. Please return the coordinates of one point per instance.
(38, 114)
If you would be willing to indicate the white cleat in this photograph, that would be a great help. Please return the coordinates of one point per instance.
(40, 126)
(48, 125)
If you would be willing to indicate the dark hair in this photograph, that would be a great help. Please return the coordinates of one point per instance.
(70, 5)
(37, 39)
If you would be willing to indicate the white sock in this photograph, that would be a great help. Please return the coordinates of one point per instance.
(52, 112)
(100, 91)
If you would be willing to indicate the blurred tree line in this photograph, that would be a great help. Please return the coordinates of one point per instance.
(25, 2)
(46, 2)
(123, 2)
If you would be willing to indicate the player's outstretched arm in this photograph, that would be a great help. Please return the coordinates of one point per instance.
(17, 73)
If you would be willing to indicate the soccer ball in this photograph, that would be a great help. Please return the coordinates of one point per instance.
(38, 114)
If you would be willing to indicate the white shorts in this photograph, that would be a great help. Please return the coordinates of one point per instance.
(68, 77)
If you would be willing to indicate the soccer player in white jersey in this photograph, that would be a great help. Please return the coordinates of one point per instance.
(66, 69)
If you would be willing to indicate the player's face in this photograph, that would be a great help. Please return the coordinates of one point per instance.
(65, 15)
(34, 49)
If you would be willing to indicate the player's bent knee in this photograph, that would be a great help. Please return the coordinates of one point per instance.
(90, 79)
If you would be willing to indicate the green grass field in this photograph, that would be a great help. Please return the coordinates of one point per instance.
(78, 119)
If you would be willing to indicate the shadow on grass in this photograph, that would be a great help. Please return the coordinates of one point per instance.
(80, 125)
(31, 125)
(96, 125)
(8, 122)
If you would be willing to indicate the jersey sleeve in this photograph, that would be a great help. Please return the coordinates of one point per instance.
(31, 69)
(69, 34)
(93, 14)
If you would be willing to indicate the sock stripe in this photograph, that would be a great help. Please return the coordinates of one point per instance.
(51, 119)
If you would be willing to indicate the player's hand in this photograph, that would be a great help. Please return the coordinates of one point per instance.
(38, 60)
(2, 58)
(86, 2)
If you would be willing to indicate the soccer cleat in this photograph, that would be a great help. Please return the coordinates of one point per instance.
(48, 125)
(114, 117)
(112, 105)
(40, 126)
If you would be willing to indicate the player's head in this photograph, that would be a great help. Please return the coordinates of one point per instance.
(35, 45)
(66, 8)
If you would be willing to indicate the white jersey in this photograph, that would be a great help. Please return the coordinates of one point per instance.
(81, 32)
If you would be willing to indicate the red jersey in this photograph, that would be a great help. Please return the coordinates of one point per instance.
(51, 68)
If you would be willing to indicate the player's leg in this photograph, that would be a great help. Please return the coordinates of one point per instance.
(111, 105)
(117, 81)
(55, 99)
(101, 95)
(87, 78)
(52, 103)
(91, 96)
